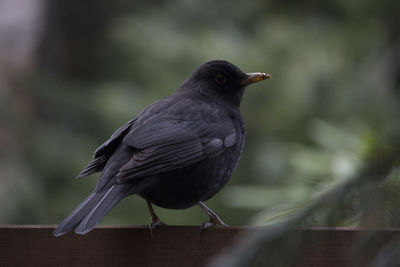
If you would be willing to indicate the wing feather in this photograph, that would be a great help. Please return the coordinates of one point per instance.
(176, 138)
(152, 163)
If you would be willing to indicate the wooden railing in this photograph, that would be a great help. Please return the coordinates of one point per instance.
(171, 246)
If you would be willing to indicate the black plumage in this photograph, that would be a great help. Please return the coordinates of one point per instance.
(178, 152)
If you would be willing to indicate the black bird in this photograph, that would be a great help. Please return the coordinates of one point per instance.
(178, 152)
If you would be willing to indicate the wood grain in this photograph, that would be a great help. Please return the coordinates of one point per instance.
(172, 246)
(112, 246)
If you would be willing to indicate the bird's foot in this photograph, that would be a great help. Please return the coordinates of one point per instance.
(215, 222)
(156, 222)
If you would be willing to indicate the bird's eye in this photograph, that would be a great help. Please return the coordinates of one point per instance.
(220, 79)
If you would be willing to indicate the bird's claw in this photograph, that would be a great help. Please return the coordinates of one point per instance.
(214, 222)
(153, 225)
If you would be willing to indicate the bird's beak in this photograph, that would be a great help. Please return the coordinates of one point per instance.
(254, 77)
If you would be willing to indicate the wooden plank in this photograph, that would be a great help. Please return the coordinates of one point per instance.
(344, 246)
(171, 246)
(112, 246)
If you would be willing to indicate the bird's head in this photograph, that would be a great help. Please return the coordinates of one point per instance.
(221, 81)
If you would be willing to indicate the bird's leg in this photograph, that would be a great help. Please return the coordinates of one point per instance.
(214, 221)
(155, 221)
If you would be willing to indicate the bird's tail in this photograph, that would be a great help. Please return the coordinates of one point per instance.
(92, 210)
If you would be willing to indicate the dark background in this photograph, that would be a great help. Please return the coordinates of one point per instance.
(71, 72)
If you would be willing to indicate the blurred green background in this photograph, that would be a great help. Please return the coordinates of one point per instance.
(71, 72)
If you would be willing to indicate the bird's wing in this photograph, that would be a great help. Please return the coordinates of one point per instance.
(103, 152)
(175, 139)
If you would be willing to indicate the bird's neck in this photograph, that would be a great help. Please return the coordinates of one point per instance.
(231, 100)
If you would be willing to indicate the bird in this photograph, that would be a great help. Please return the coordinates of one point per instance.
(176, 153)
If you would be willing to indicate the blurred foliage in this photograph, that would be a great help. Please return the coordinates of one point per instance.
(333, 97)
(369, 199)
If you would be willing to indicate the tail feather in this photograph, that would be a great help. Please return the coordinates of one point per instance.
(92, 210)
(77, 215)
(113, 196)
